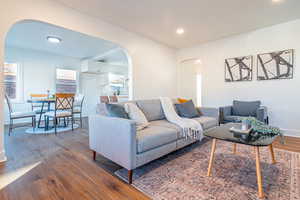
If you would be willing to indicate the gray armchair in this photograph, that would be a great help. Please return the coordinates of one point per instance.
(243, 109)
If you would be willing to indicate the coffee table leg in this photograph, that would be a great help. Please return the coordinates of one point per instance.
(213, 148)
(234, 148)
(258, 174)
(272, 153)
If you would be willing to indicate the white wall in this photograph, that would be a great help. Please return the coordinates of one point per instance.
(95, 85)
(280, 96)
(38, 71)
(38, 75)
(147, 57)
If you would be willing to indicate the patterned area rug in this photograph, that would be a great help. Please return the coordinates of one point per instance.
(182, 174)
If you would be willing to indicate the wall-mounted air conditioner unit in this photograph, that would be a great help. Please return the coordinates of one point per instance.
(92, 66)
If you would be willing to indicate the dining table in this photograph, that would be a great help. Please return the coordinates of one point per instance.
(45, 102)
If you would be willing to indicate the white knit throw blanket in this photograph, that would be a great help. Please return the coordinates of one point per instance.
(190, 128)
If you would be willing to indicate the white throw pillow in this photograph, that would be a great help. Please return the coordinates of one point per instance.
(137, 115)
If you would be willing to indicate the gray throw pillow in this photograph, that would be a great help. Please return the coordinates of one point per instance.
(115, 110)
(152, 109)
(187, 110)
(245, 108)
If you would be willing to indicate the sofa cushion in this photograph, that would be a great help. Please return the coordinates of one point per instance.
(187, 110)
(152, 109)
(115, 110)
(207, 122)
(245, 108)
(231, 118)
(153, 137)
(137, 115)
(165, 123)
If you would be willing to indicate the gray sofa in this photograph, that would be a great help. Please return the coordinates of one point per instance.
(118, 140)
(243, 109)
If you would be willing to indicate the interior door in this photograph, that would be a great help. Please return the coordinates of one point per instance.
(190, 80)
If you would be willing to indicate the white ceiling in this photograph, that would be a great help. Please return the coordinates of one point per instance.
(32, 35)
(203, 20)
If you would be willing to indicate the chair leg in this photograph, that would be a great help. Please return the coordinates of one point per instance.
(80, 120)
(47, 122)
(94, 155)
(130, 173)
(33, 123)
(55, 124)
(65, 124)
(10, 127)
(45, 119)
(72, 123)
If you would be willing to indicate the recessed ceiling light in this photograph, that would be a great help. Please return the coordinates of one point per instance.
(198, 61)
(277, 1)
(180, 31)
(53, 39)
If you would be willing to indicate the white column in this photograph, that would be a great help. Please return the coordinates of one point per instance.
(2, 150)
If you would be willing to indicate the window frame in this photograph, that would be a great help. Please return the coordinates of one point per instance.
(76, 74)
(19, 82)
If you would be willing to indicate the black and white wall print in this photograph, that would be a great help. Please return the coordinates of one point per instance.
(275, 65)
(238, 69)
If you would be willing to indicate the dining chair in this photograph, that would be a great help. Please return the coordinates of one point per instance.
(104, 99)
(113, 98)
(37, 107)
(64, 105)
(18, 115)
(78, 103)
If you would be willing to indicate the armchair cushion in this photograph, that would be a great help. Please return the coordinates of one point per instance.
(245, 108)
(262, 113)
(231, 118)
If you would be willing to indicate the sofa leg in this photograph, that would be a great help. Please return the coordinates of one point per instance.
(94, 155)
(130, 172)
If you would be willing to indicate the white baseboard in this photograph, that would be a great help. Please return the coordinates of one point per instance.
(291, 132)
(2, 156)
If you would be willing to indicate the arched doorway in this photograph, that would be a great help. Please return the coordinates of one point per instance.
(40, 58)
(190, 80)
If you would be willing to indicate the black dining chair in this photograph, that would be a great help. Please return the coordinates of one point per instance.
(37, 107)
(64, 104)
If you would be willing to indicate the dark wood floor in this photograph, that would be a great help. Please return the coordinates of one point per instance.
(290, 144)
(61, 167)
(58, 167)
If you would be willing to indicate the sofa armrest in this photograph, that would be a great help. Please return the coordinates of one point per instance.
(209, 112)
(262, 113)
(225, 111)
(114, 138)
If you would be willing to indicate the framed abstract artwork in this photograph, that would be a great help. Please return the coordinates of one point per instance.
(275, 65)
(238, 69)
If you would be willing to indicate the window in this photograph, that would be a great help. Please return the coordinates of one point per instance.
(66, 81)
(11, 79)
